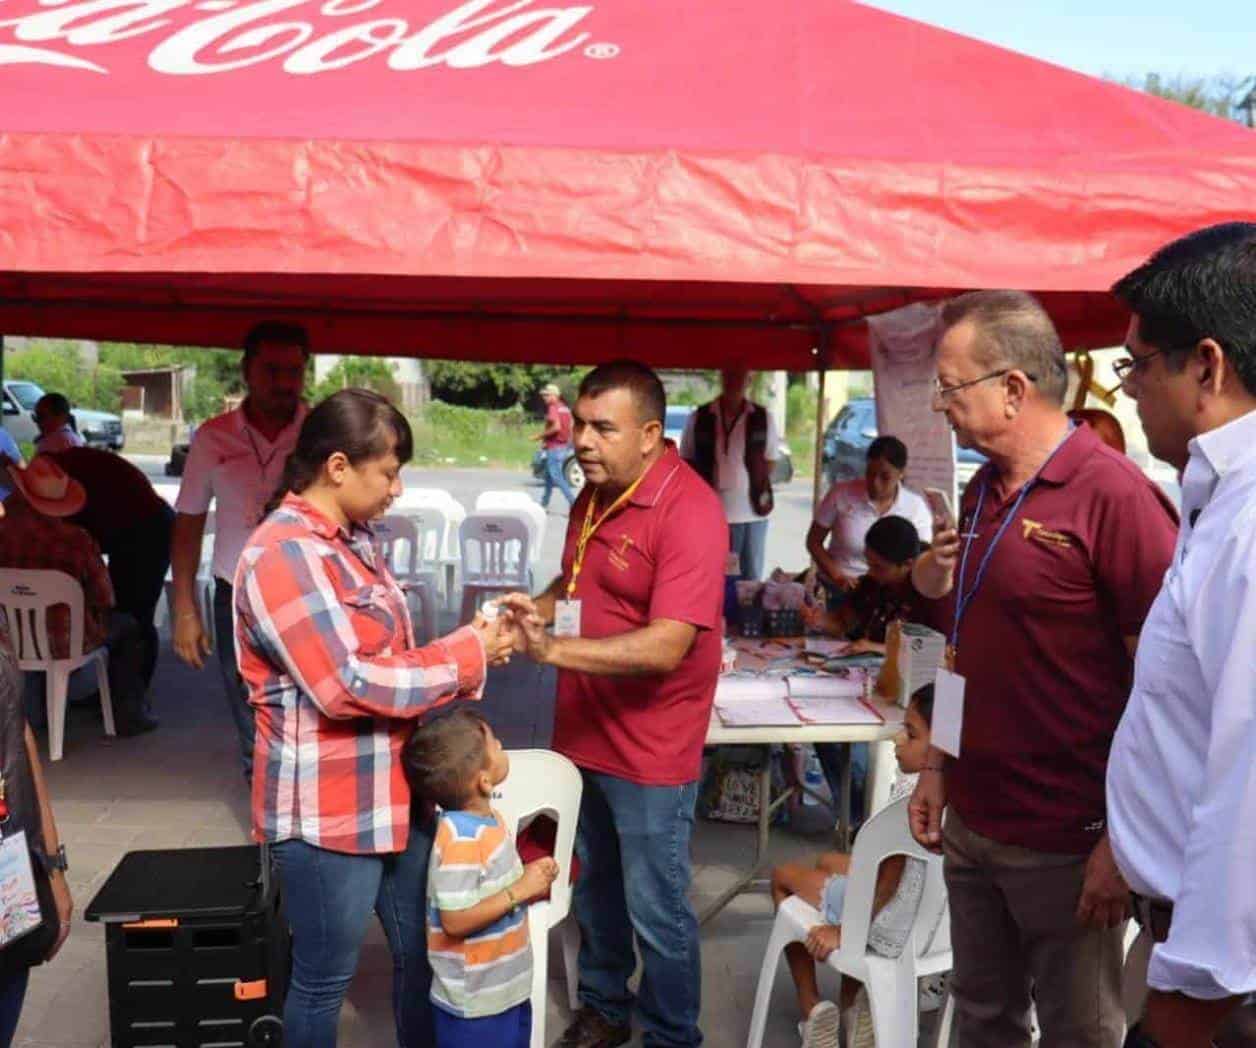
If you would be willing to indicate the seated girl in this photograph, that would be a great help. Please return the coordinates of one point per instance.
(822, 884)
(882, 595)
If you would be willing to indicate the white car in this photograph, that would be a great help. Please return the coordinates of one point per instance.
(99, 429)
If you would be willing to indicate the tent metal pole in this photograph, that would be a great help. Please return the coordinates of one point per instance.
(819, 448)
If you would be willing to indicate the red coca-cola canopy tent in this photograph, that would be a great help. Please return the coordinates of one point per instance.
(496, 179)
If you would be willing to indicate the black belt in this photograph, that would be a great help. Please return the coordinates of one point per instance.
(1154, 916)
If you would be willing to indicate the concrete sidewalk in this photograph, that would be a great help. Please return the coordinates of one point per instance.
(180, 787)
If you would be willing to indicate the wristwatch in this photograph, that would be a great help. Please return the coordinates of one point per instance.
(57, 861)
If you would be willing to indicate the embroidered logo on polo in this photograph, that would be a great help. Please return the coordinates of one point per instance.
(619, 547)
(1033, 531)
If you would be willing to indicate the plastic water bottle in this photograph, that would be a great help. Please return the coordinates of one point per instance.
(813, 779)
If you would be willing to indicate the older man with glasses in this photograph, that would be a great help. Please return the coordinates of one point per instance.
(1181, 782)
(1042, 591)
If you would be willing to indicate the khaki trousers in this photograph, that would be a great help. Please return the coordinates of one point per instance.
(1017, 942)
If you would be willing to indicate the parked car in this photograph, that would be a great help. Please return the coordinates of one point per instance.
(99, 429)
(673, 428)
(847, 437)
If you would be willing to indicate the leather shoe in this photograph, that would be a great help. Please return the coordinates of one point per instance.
(591, 1029)
(134, 724)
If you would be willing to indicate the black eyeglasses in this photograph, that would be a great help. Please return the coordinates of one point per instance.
(943, 392)
(1127, 367)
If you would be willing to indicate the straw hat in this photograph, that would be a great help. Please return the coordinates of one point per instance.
(48, 488)
(551, 390)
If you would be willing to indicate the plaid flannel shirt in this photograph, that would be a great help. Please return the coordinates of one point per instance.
(34, 542)
(326, 648)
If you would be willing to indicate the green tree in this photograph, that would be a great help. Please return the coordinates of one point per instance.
(363, 372)
(57, 367)
(1211, 94)
(496, 385)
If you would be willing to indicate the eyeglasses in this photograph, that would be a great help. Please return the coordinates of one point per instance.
(945, 392)
(1127, 367)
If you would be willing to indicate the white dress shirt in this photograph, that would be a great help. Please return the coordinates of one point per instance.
(732, 479)
(233, 466)
(1182, 771)
(848, 512)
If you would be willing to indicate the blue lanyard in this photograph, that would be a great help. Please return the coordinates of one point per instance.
(962, 599)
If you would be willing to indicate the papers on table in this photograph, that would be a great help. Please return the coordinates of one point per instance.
(747, 700)
(825, 647)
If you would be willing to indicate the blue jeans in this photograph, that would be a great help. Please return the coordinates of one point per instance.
(833, 759)
(328, 899)
(633, 844)
(554, 475)
(12, 996)
(511, 1029)
(748, 541)
(233, 684)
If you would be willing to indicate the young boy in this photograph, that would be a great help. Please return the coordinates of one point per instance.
(882, 595)
(477, 888)
(822, 884)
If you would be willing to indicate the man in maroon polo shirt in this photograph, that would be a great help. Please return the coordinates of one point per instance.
(1061, 549)
(637, 615)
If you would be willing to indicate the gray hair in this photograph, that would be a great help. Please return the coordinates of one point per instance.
(1012, 330)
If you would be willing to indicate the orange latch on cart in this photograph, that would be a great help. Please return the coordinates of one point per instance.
(250, 991)
(156, 922)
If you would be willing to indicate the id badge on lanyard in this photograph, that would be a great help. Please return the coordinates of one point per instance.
(19, 903)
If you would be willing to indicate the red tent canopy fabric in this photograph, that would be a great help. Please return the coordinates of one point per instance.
(498, 179)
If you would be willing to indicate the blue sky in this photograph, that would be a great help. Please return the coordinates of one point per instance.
(1107, 37)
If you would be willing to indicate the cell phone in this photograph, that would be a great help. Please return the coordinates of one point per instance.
(940, 506)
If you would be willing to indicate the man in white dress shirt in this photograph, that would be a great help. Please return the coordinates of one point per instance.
(1181, 781)
(235, 462)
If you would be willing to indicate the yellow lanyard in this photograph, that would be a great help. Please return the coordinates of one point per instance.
(590, 526)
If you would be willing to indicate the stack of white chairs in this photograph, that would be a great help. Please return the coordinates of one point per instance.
(891, 983)
(495, 549)
(26, 597)
(417, 500)
(545, 783)
(410, 546)
(519, 502)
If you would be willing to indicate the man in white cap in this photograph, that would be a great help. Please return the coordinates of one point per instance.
(555, 441)
(37, 537)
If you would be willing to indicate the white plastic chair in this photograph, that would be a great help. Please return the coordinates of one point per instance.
(545, 783)
(520, 502)
(414, 500)
(401, 543)
(494, 558)
(891, 984)
(26, 597)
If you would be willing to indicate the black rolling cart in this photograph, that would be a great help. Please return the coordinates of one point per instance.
(197, 949)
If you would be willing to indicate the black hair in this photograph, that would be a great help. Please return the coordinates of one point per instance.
(358, 423)
(889, 449)
(275, 333)
(922, 701)
(1202, 285)
(444, 755)
(894, 538)
(644, 385)
(55, 402)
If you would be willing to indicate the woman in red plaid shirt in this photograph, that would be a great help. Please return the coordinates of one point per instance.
(336, 683)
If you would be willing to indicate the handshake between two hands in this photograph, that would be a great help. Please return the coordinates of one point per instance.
(509, 625)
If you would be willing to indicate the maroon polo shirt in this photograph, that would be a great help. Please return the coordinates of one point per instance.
(661, 556)
(1041, 644)
(119, 496)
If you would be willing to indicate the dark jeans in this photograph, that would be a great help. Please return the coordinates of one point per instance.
(232, 683)
(12, 995)
(328, 899)
(633, 844)
(511, 1029)
(749, 542)
(138, 561)
(834, 757)
(554, 475)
